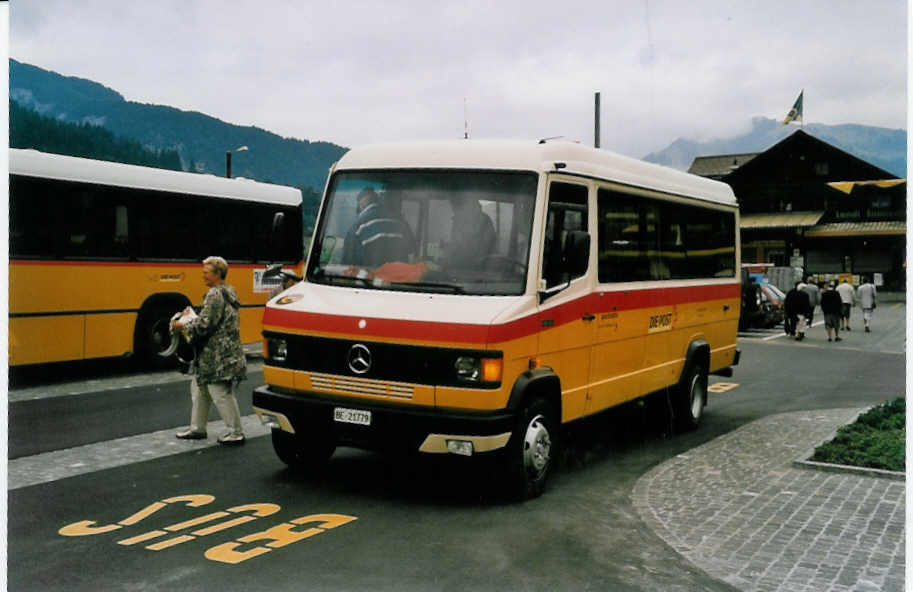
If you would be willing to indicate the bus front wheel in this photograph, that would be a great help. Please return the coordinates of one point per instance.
(532, 450)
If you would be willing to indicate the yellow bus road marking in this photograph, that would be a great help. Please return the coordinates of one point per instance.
(275, 537)
(722, 387)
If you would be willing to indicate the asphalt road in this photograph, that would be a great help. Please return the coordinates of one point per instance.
(395, 523)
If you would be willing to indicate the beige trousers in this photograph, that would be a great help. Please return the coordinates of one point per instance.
(220, 393)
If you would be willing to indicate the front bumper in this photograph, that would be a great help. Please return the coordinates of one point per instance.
(393, 427)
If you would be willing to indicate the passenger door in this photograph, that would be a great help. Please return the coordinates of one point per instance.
(622, 243)
(566, 327)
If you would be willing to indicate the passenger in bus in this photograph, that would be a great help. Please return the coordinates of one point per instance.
(377, 236)
(472, 234)
(219, 364)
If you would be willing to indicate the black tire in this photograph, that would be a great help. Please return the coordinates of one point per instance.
(532, 450)
(690, 398)
(153, 336)
(303, 453)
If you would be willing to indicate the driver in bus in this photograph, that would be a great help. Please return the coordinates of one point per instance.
(472, 234)
(376, 237)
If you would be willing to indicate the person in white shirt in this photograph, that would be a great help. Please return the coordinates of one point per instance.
(867, 294)
(814, 298)
(848, 297)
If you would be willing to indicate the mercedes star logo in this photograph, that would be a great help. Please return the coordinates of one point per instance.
(359, 359)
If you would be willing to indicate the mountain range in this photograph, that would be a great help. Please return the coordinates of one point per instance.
(882, 147)
(202, 140)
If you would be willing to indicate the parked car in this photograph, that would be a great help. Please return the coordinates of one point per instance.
(772, 305)
(762, 302)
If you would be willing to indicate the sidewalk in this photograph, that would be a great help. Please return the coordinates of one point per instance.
(738, 508)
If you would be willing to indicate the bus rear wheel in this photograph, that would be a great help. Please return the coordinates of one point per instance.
(691, 398)
(532, 450)
(303, 453)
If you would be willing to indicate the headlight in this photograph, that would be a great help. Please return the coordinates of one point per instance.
(276, 349)
(468, 368)
(478, 369)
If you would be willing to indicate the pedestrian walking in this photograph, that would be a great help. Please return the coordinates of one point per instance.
(814, 298)
(797, 309)
(848, 299)
(867, 296)
(832, 309)
(219, 363)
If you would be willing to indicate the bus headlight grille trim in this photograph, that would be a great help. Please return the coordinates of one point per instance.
(361, 386)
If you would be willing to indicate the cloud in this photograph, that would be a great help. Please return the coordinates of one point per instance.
(353, 72)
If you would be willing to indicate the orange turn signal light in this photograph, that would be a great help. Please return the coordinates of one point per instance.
(492, 369)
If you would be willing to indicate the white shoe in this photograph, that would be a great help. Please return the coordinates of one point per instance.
(232, 439)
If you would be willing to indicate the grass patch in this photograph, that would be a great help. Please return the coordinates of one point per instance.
(876, 440)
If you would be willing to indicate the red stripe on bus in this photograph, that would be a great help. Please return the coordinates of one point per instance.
(434, 331)
(375, 327)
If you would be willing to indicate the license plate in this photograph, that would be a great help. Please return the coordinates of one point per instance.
(356, 416)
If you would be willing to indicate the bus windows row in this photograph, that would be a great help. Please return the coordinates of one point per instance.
(650, 239)
(50, 219)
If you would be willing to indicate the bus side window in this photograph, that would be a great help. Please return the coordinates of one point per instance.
(567, 211)
(36, 226)
(621, 250)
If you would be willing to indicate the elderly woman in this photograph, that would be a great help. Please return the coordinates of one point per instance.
(219, 364)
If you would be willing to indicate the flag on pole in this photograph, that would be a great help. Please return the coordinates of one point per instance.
(795, 114)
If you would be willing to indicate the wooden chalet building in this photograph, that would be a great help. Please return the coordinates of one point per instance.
(806, 203)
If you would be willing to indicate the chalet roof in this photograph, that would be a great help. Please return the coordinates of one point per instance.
(794, 148)
(719, 165)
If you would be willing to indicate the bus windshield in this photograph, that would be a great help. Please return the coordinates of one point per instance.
(463, 232)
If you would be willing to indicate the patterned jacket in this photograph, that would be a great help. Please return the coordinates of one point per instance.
(216, 338)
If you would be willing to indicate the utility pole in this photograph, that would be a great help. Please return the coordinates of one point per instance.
(596, 130)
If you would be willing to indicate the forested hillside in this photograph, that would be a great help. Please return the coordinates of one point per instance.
(28, 129)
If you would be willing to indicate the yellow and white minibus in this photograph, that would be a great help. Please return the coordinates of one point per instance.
(471, 297)
(102, 254)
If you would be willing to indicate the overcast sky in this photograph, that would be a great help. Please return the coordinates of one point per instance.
(353, 72)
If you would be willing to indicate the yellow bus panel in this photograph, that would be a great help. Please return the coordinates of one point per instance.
(34, 340)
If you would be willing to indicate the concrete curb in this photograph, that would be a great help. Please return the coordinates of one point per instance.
(805, 462)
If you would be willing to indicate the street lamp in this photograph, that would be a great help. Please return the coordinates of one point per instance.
(228, 159)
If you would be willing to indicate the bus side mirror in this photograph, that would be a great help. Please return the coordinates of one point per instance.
(576, 252)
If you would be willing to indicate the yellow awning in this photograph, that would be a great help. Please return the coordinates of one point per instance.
(847, 186)
(780, 220)
(886, 228)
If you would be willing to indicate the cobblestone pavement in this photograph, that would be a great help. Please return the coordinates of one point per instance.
(738, 508)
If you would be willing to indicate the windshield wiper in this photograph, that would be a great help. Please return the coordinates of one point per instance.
(347, 280)
(427, 286)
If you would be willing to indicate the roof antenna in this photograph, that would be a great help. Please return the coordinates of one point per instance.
(465, 121)
(544, 140)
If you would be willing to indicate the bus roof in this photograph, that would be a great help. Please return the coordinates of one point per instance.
(32, 163)
(540, 157)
